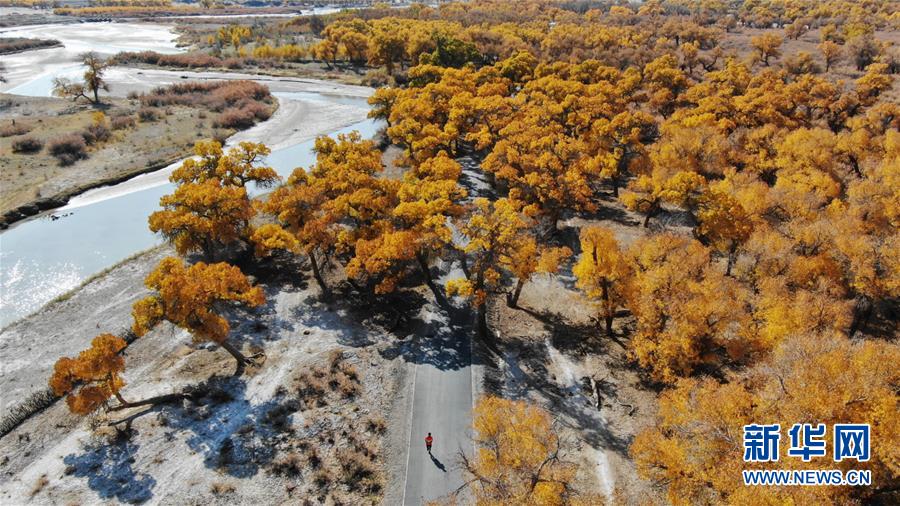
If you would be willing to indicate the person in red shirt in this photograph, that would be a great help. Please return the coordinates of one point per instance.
(428, 441)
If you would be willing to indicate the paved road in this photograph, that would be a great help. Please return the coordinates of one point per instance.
(442, 405)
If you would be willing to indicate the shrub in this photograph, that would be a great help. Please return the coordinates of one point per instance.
(95, 133)
(220, 136)
(358, 472)
(315, 461)
(290, 465)
(147, 114)
(237, 118)
(376, 425)
(310, 387)
(219, 488)
(68, 149)
(14, 129)
(185, 60)
(377, 78)
(27, 145)
(234, 63)
(122, 122)
(323, 478)
(39, 485)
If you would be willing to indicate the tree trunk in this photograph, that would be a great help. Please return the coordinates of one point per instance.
(159, 399)
(610, 313)
(426, 270)
(239, 357)
(732, 254)
(512, 299)
(483, 330)
(653, 211)
(862, 312)
(326, 293)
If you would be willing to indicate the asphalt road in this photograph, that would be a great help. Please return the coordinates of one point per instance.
(442, 405)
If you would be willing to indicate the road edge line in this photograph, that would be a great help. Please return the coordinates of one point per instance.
(412, 406)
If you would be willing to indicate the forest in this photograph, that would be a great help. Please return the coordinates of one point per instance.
(718, 182)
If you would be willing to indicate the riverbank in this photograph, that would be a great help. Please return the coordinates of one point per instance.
(137, 139)
(244, 444)
(18, 45)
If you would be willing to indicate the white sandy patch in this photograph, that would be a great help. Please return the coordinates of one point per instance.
(567, 373)
(603, 470)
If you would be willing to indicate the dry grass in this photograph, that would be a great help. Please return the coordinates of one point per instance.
(340, 461)
(376, 425)
(218, 488)
(314, 387)
(39, 485)
(358, 472)
(27, 145)
(14, 129)
(290, 465)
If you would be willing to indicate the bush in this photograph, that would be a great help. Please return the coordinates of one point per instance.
(122, 122)
(219, 488)
(348, 387)
(14, 129)
(147, 114)
(377, 78)
(237, 118)
(311, 387)
(185, 60)
(68, 149)
(290, 465)
(95, 133)
(376, 425)
(27, 145)
(357, 472)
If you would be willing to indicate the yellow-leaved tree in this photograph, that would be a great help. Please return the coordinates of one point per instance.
(686, 310)
(695, 448)
(95, 375)
(210, 209)
(416, 230)
(498, 241)
(603, 272)
(340, 201)
(91, 378)
(520, 458)
(192, 298)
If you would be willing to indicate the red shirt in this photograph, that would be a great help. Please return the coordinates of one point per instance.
(428, 440)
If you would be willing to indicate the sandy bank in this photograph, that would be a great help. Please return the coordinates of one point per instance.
(182, 453)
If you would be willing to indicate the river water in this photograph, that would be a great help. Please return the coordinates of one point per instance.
(43, 258)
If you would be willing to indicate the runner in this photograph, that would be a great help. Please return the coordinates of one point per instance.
(428, 441)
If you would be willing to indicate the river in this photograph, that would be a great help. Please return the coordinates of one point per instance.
(43, 257)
